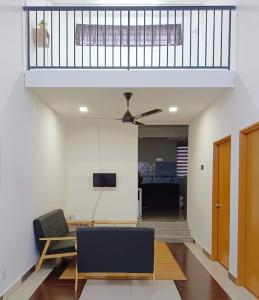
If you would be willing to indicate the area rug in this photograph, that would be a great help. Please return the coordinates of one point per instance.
(165, 264)
(129, 290)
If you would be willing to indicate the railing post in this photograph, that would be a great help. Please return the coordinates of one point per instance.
(36, 21)
(167, 36)
(221, 38)
(28, 42)
(120, 37)
(214, 23)
(198, 50)
(136, 31)
(82, 33)
(144, 58)
(229, 39)
(59, 39)
(182, 38)
(175, 38)
(159, 43)
(206, 38)
(97, 36)
(44, 39)
(128, 39)
(105, 38)
(51, 38)
(152, 42)
(67, 38)
(190, 38)
(113, 38)
(74, 38)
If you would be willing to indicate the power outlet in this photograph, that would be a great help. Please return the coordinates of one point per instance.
(3, 275)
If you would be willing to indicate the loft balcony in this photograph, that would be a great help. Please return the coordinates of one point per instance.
(168, 40)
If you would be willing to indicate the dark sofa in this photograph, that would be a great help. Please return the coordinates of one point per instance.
(116, 250)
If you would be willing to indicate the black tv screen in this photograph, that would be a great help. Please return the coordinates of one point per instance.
(104, 179)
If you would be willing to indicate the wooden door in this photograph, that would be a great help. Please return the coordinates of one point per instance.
(252, 213)
(221, 201)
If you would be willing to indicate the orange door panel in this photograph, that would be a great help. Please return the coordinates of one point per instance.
(224, 157)
(252, 213)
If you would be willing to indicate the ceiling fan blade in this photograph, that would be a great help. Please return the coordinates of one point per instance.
(138, 123)
(96, 118)
(148, 113)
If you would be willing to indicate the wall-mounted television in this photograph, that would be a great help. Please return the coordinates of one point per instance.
(104, 179)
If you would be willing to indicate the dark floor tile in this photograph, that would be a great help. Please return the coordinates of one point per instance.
(55, 289)
(200, 284)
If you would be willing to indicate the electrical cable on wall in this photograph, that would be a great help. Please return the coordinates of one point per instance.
(101, 169)
(99, 147)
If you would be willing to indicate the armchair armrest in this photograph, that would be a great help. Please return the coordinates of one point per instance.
(48, 241)
(67, 238)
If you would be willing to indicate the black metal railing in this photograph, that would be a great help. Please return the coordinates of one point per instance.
(136, 37)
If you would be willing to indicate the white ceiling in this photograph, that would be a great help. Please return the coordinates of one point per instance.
(110, 103)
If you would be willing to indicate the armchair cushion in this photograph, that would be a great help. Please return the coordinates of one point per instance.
(62, 246)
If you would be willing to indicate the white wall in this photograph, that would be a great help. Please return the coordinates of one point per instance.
(233, 111)
(106, 146)
(32, 155)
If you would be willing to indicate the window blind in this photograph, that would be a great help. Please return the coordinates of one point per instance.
(156, 35)
(182, 161)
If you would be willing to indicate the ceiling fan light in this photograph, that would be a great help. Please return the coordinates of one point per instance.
(173, 109)
(83, 109)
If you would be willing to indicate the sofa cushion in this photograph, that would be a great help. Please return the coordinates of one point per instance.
(119, 249)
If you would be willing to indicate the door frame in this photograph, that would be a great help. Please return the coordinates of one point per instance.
(242, 203)
(215, 195)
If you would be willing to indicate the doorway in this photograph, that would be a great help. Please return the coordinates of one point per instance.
(248, 231)
(221, 201)
(162, 170)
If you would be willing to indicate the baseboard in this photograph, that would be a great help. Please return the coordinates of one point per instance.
(232, 278)
(205, 252)
(17, 284)
(27, 274)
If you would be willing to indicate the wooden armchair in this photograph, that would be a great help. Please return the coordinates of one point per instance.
(53, 238)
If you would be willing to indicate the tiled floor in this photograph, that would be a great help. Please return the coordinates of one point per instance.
(25, 291)
(220, 274)
(199, 284)
(129, 290)
(206, 280)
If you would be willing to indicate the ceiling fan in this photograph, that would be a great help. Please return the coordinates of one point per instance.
(128, 117)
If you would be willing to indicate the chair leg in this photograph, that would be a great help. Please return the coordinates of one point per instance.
(154, 280)
(154, 274)
(76, 279)
(40, 262)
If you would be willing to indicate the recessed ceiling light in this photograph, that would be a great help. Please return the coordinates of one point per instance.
(83, 109)
(173, 109)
